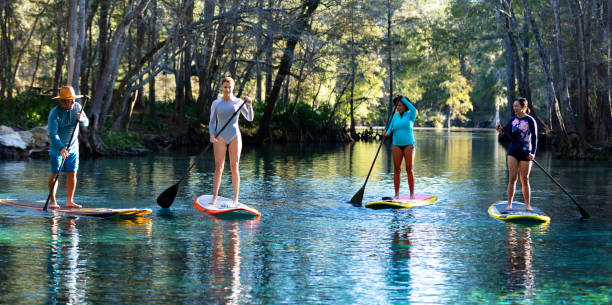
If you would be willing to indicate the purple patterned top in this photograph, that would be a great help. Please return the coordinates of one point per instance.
(524, 131)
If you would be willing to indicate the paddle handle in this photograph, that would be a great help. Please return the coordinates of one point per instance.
(210, 143)
(582, 211)
(86, 98)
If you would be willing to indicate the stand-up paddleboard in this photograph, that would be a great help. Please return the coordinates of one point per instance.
(402, 202)
(518, 212)
(96, 212)
(224, 208)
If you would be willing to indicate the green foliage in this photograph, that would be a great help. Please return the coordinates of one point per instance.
(25, 111)
(459, 97)
(122, 140)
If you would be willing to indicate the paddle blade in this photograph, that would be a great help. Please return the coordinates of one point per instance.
(166, 198)
(358, 197)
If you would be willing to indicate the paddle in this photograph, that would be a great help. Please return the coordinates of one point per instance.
(86, 98)
(166, 198)
(584, 213)
(358, 197)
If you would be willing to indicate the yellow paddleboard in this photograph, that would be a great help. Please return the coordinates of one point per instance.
(402, 202)
(518, 213)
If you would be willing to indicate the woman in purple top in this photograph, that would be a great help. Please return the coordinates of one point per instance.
(523, 131)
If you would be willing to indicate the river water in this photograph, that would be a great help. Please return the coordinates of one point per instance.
(310, 246)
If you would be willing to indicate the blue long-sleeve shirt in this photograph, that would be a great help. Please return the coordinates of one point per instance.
(61, 124)
(524, 134)
(402, 125)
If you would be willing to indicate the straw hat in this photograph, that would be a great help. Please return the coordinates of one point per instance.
(67, 93)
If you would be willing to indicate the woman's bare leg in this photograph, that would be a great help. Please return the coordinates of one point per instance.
(512, 177)
(409, 157)
(220, 148)
(525, 167)
(235, 148)
(397, 168)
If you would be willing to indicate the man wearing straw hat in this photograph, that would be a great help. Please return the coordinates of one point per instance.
(62, 121)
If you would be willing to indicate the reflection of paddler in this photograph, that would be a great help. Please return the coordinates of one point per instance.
(226, 262)
(519, 256)
(401, 249)
(64, 261)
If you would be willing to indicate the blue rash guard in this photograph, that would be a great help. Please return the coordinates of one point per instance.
(402, 125)
(61, 124)
(524, 134)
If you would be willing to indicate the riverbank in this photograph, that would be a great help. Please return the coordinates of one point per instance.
(147, 137)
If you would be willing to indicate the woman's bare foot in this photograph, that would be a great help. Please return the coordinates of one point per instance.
(412, 196)
(396, 197)
(53, 205)
(72, 205)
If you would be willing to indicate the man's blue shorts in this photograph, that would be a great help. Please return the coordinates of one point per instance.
(70, 165)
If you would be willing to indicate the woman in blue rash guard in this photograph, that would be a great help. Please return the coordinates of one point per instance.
(403, 145)
(230, 139)
(523, 131)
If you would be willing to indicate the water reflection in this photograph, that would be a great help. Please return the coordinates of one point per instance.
(226, 260)
(518, 268)
(63, 266)
(401, 234)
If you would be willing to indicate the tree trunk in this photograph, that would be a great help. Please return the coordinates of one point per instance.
(6, 14)
(104, 87)
(42, 42)
(73, 21)
(140, 42)
(389, 47)
(557, 120)
(293, 37)
(210, 66)
(179, 101)
(504, 20)
(572, 132)
(583, 99)
(153, 41)
(13, 75)
(352, 130)
(603, 126)
(59, 51)
(260, 34)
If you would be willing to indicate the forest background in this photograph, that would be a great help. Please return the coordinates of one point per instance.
(317, 68)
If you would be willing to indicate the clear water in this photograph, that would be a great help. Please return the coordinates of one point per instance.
(311, 246)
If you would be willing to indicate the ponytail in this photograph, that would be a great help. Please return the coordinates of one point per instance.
(524, 104)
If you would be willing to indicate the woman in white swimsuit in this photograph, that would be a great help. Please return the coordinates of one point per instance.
(221, 111)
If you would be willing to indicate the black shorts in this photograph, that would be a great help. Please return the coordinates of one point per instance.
(517, 154)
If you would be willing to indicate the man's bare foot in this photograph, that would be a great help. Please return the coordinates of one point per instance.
(53, 205)
(411, 196)
(396, 197)
(530, 209)
(509, 208)
(72, 205)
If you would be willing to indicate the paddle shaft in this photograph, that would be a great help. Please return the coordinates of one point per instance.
(64, 159)
(210, 143)
(380, 145)
(582, 211)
